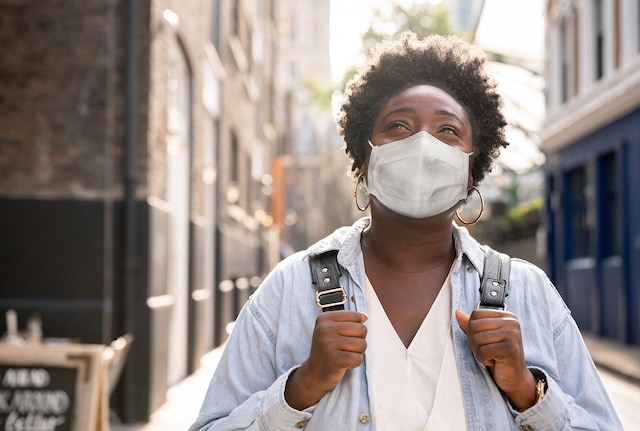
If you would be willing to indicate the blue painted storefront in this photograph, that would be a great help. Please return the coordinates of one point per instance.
(593, 225)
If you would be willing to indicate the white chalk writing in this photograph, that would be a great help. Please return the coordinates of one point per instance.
(32, 422)
(41, 401)
(25, 377)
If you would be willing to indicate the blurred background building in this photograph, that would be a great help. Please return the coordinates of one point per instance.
(591, 136)
(159, 157)
(110, 119)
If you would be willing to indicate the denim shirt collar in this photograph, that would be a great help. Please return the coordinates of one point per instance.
(347, 242)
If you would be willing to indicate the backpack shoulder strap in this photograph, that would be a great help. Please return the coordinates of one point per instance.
(325, 275)
(494, 286)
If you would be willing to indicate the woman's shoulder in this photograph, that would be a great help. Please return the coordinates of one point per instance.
(525, 268)
(530, 285)
(290, 281)
(478, 252)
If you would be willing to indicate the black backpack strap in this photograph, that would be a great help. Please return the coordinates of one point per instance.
(325, 275)
(494, 286)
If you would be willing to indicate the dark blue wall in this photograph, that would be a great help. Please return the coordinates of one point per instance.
(599, 285)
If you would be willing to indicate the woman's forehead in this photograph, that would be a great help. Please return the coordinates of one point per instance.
(419, 98)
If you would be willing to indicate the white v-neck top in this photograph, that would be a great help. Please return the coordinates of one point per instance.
(415, 388)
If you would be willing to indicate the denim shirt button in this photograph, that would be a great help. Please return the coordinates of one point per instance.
(470, 269)
(302, 424)
(527, 428)
(364, 418)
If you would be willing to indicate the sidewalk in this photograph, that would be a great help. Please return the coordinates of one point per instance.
(621, 359)
(185, 398)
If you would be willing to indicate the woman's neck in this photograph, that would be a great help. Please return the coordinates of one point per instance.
(410, 245)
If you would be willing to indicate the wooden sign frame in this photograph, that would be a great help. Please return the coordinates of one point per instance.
(90, 409)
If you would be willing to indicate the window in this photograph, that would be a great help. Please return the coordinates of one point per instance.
(598, 31)
(627, 27)
(178, 94)
(235, 159)
(579, 244)
(235, 17)
(609, 226)
(564, 60)
(214, 24)
(617, 51)
(233, 193)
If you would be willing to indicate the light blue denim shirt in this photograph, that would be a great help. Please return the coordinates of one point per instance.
(272, 337)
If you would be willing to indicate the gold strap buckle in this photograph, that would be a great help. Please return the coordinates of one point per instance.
(321, 293)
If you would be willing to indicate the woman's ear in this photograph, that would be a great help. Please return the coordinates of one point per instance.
(470, 181)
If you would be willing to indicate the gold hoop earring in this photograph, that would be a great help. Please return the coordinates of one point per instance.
(361, 190)
(481, 209)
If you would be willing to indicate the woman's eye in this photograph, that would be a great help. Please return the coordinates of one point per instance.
(450, 130)
(398, 125)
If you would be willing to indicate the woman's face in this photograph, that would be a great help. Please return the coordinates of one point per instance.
(423, 108)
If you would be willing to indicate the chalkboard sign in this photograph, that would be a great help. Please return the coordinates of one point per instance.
(49, 387)
(37, 398)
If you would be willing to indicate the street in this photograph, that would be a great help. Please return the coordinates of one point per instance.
(625, 396)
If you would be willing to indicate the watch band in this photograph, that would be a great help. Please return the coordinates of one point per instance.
(541, 384)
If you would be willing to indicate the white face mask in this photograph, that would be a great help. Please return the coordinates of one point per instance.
(419, 176)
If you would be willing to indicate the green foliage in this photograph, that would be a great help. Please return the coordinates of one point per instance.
(320, 93)
(523, 216)
(422, 18)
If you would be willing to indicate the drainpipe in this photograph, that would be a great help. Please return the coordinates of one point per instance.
(131, 228)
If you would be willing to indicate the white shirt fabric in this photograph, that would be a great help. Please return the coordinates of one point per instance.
(415, 388)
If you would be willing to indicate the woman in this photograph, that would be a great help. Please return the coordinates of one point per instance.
(422, 125)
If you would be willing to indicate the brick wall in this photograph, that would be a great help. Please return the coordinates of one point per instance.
(61, 98)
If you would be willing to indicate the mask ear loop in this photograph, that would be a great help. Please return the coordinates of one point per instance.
(481, 209)
(361, 189)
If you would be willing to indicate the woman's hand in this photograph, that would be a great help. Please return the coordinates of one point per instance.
(338, 345)
(495, 340)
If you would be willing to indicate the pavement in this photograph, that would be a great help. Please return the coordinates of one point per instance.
(614, 356)
(185, 398)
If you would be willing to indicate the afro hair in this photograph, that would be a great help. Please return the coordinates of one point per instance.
(446, 62)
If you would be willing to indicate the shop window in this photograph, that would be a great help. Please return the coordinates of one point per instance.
(578, 229)
(609, 205)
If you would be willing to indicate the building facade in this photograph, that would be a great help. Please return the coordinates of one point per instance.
(135, 151)
(591, 138)
(154, 155)
(313, 193)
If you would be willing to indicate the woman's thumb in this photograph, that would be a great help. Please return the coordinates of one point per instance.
(463, 320)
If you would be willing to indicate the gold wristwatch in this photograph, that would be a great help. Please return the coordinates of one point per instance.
(541, 384)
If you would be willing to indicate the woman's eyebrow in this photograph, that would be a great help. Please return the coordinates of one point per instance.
(448, 114)
(399, 110)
